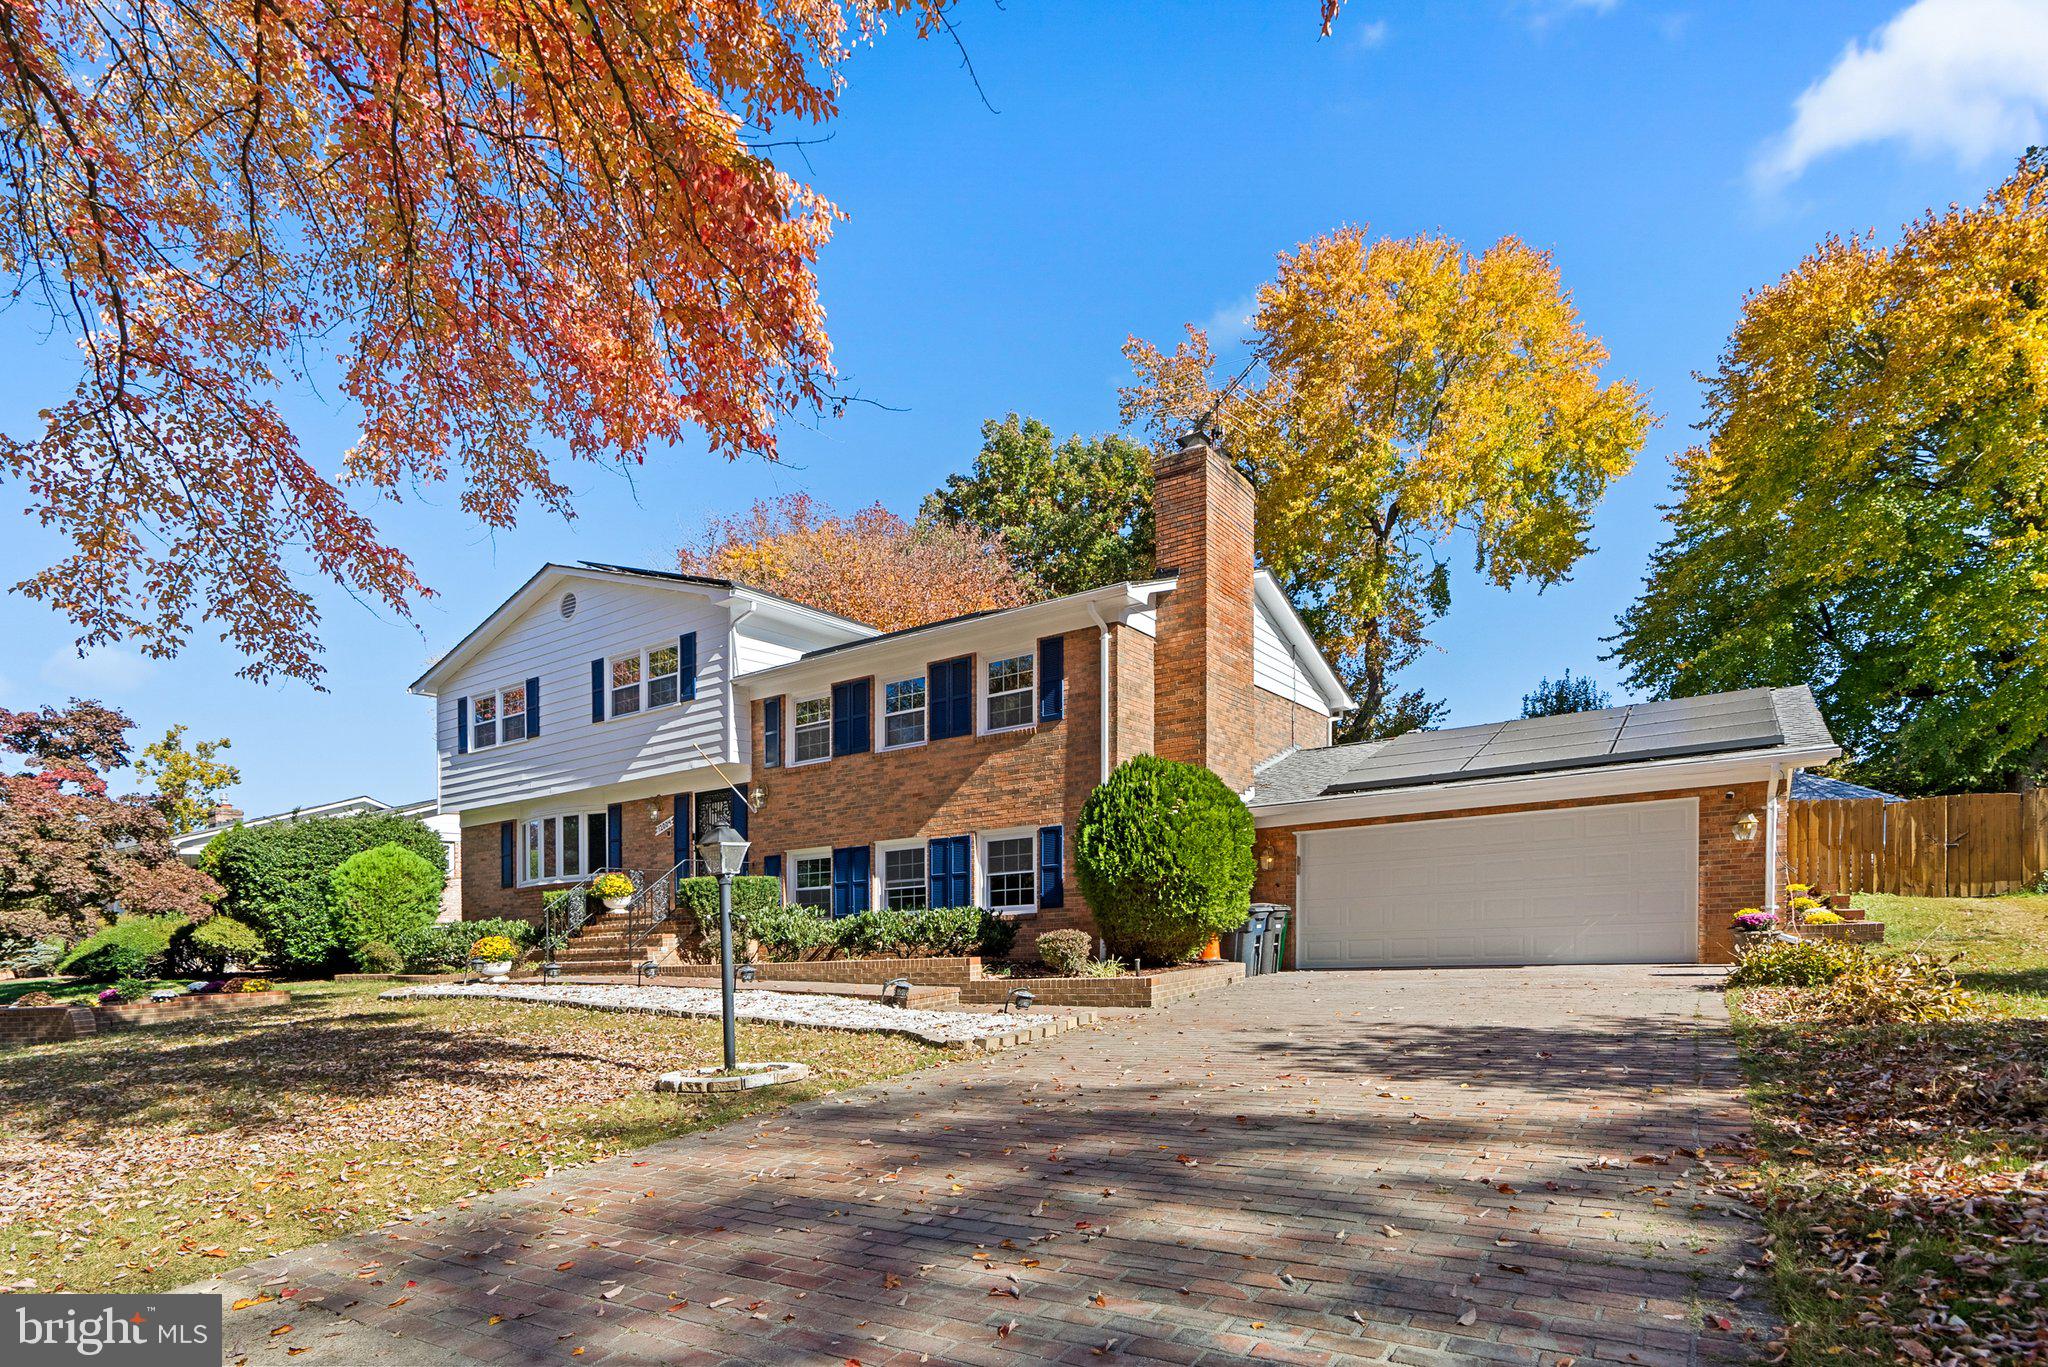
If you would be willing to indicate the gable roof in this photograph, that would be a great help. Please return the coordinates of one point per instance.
(1753, 721)
(548, 575)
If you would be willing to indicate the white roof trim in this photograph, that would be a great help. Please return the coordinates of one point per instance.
(1295, 632)
(1118, 600)
(1607, 780)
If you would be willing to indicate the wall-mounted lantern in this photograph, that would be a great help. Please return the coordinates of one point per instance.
(1746, 826)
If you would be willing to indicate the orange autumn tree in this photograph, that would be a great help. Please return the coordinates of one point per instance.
(872, 566)
(527, 236)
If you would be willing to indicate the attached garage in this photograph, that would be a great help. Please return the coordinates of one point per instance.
(1627, 835)
(1583, 885)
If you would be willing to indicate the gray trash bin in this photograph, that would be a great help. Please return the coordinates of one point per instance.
(1250, 940)
(1263, 947)
(1276, 938)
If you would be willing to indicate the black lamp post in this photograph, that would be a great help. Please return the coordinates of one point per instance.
(724, 851)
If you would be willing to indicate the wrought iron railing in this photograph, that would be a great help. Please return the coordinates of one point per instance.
(563, 913)
(654, 903)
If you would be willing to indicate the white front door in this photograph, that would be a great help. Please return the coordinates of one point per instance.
(1574, 885)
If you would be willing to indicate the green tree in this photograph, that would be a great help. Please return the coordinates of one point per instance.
(1869, 513)
(1572, 693)
(1408, 396)
(387, 894)
(1164, 857)
(1071, 516)
(189, 782)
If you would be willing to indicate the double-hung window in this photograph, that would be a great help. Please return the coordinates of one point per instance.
(1010, 699)
(811, 880)
(1010, 872)
(903, 712)
(497, 717)
(903, 879)
(646, 678)
(814, 735)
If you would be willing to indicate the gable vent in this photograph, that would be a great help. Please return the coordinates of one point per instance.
(568, 606)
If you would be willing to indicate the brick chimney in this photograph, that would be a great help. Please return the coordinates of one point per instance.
(1202, 665)
(224, 814)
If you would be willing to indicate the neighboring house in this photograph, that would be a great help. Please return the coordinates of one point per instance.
(603, 715)
(1820, 788)
(189, 845)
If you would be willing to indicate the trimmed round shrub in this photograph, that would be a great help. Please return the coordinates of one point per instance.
(377, 956)
(752, 894)
(216, 942)
(1063, 951)
(387, 894)
(1164, 855)
(275, 877)
(132, 947)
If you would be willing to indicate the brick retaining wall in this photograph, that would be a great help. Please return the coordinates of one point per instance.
(22, 1025)
(1132, 990)
(126, 1015)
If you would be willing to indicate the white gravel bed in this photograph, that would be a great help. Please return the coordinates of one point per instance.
(783, 1008)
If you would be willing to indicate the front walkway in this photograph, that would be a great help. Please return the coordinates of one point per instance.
(1422, 1167)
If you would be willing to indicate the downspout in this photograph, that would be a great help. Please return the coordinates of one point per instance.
(1102, 694)
(1771, 842)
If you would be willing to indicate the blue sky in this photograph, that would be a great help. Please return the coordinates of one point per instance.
(1145, 165)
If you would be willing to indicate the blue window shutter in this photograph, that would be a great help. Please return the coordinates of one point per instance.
(462, 726)
(1052, 882)
(850, 728)
(505, 860)
(614, 833)
(596, 845)
(950, 694)
(597, 690)
(771, 866)
(946, 872)
(533, 707)
(1052, 678)
(739, 820)
(686, 652)
(771, 734)
(679, 830)
(849, 880)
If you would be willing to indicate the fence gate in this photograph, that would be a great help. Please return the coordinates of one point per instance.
(1967, 845)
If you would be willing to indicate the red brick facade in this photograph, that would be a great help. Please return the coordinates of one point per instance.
(484, 895)
(1731, 871)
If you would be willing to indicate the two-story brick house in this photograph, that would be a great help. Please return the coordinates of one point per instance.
(939, 766)
(603, 715)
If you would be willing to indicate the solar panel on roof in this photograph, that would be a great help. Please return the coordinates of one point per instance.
(1617, 735)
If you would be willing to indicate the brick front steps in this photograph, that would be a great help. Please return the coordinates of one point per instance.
(1151, 988)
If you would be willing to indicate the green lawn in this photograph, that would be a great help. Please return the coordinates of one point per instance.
(144, 1159)
(1899, 1166)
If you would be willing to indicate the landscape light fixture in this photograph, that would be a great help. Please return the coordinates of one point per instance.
(646, 971)
(1019, 1001)
(747, 973)
(897, 992)
(724, 852)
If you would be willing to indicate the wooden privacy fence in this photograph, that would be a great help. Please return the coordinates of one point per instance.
(1968, 845)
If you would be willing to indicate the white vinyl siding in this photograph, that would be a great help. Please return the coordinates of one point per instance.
(1275, 667)
(571, 753)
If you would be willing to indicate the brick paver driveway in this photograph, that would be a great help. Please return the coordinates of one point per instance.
(1449, 1166)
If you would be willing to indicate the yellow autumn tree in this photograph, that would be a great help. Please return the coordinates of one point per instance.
(1406, 397)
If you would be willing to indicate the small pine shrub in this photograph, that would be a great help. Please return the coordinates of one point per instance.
(388, 894)
(1063, 951)
(1164, 855)
(377, 956)
(131, 947)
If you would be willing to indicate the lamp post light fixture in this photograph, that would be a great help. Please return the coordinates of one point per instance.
(724, 852)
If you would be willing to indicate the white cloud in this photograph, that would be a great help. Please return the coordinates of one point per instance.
(1966, 78)
(1370, 35)
(110, 669)
(1231, 322)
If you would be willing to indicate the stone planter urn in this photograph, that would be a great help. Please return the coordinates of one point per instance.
(497, 968)
(615, 903)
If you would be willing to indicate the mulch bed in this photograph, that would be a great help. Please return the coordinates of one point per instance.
(1020, 972)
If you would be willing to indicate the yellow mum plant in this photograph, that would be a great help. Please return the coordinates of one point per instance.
(494, 949)
(612, 885)
(1820, 918)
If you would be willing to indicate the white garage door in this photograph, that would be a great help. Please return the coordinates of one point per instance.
(1582, 885)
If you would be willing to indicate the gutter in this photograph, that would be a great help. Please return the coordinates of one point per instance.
(1102, 695)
